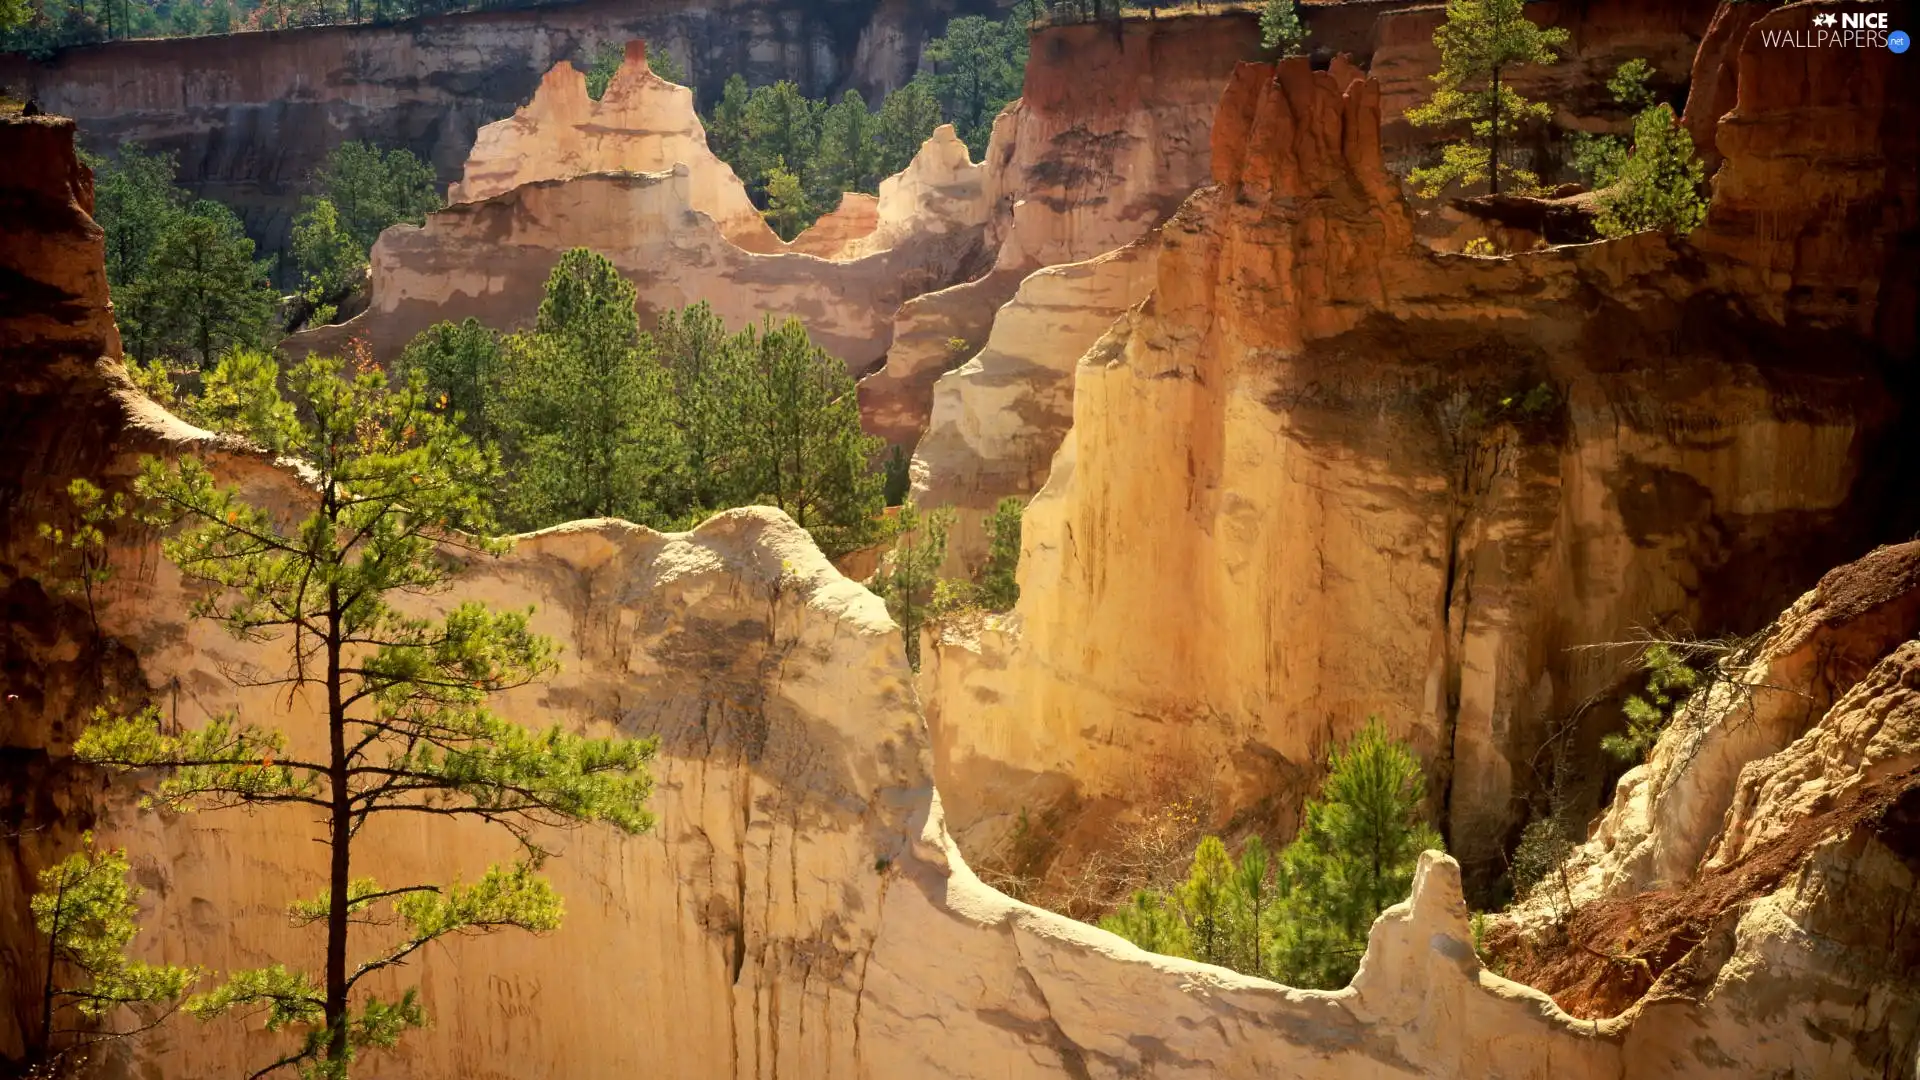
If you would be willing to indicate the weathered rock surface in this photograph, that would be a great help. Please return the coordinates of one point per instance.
(799, 910)
(642, 123)
(1761, 864)
(489, 257)
(1107, 139)
(1314, 444)
(251, 115)
(998, 418)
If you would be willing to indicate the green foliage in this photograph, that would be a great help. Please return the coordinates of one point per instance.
(849, 157)
(398, 491)
(1629, 84)
(973, 71)
(201, 293)
(788, 210)
(581, 406)
(371, 190)
(1480, 42)
(1539, 861)
(1302, 919)
(1670, 682)
(908, 576)
(79, 561)
(727, 128)
(780, 134)
(1659, 185)
(89, 914)
(134, 200)
(1280, 26)
(331, 262)
(999, 587)
(897, 471)
(907, 119)
(1480, 246)
(461, 363)
(1601, 158)
(241, 396)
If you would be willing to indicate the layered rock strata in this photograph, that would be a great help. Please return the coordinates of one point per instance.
(1752, 881)
(1107, 138)
(1373, 480)
(250, 116)
(798, 910)
(642, 123)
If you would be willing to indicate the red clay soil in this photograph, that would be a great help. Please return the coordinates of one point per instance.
(1613, 951)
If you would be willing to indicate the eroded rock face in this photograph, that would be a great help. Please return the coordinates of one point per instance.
(798, 911)
(998, 418)
(1375, 480)
(489, 258)
(1107, 139)
(1758, 865)
(642, 123)
(251, 115)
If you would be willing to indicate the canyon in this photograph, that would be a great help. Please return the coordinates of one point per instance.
(1286, 466)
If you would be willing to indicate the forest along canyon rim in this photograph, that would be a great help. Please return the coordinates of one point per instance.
(1110, 552)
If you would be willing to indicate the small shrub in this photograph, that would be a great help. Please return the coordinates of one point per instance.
(1670, 682)
(1659, 185)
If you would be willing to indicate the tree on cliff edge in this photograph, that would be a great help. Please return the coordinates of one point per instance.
(1482, 41)
(395, 497)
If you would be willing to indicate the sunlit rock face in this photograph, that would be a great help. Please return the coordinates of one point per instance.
(251, 115)
(1106, 140)
(799, 910)
(631, 177)
(642, 123)
(1304, 483)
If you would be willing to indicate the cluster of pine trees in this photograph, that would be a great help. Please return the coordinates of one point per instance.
(1301, 918)
(594, 417)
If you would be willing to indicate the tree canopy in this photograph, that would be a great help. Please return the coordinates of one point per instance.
(1480, 42)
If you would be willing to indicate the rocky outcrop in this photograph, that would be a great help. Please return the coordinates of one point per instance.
(1106, 140)
(998, 418)
(489, 258)
(251, 115)
(1370, 479)
(642, 123)
(1762, 862)
(798, 910)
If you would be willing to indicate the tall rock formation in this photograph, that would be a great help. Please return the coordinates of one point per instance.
(631, 177)
(251, 115)
(1108, 137)
(1323, 473)
(798, 911)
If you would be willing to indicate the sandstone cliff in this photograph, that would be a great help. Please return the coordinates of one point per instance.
(799, 911)
(1107, 139)
(251, 115)
(1323, 473)
(632, 178)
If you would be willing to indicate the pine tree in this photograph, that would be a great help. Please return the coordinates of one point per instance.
(397, 493)
(1280, 26)
(1206, 902)
(330, 261)
(1659, 186)
(202, 292)
(707, 367)
(727, 130)
(134, 200)
(1149, 921)
(801, 445)
(372, 190)
(1670, 682)
(999, 585)
(1354, 857)
(582, 411)
(907, 119)
(848, 157)
(1480, 43)
(975, 68)
(89, 914)
(908, 575)
(788, 210)
(781, 131)
(461, 365)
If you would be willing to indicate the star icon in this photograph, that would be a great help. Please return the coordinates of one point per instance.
(1824, 19)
